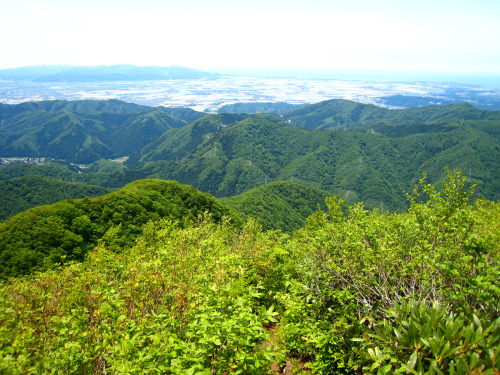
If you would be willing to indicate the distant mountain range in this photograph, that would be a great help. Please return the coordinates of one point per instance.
(81, 131)
(70, 73)
(356, 151)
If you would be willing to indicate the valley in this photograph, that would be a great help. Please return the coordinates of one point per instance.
(359, 152)
(256, 237)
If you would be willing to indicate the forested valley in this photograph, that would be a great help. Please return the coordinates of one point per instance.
(332, 238)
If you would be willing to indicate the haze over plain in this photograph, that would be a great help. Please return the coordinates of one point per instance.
(385, 39)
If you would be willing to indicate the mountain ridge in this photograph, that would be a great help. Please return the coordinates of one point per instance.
(227, 154)
(345, 114)
(67, 230)
(101, 73)
(80, 132)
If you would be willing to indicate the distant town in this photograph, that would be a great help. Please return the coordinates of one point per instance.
(23, 159)
(209, 94)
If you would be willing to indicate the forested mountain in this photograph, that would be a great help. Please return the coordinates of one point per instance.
(22, 193)
(68, 73)
(157, 277)
(279, 205)
(81, 131)
(344, 114)
(185, 114)
(269, 107)
(81, 107)
(374, 166)
(178, 143)
(227, 154)
(43, 236)
(49, 169)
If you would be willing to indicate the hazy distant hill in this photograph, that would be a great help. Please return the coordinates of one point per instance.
(268, 107)
(340, 114)
(409, 101)
(29, 73)
(489, 102)
(65, 73)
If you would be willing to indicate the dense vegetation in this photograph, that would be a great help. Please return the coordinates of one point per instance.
(175, 144)
(81, 131)
(373, 162)
(375, 167)
(340, 114)
(379, 156)
(280, 205)
(266, 107)
(158, 277)
(362, 293)
(31, 191)
(65, 231)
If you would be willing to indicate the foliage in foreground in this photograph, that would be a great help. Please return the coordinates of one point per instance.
(351, 269)
(65, 231)
(420, 339)
(181, 301)
(369, 293)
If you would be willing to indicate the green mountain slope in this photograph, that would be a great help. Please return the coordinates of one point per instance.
(217, 299)
(178, 143)
(31, 191)
(279, 205)
(375, 164)
(43, 236)
(185, 114)
(374, 168)
(228, 154)
(82, 107)
(50, 170)
(80, 132)
(344, 114)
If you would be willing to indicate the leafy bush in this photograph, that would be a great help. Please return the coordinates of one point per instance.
(419, 339)
(178, 302)
(370, 292)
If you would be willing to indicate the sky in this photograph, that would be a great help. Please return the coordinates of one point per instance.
(386, 36)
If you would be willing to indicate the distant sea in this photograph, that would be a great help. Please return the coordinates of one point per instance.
(477, 79)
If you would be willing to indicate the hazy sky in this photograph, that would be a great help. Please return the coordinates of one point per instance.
(388, 36)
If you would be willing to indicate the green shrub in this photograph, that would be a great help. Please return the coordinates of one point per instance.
(420, 339)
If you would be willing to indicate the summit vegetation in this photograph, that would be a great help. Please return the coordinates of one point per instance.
(65, 231)
(353, 291)
(333, 238)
